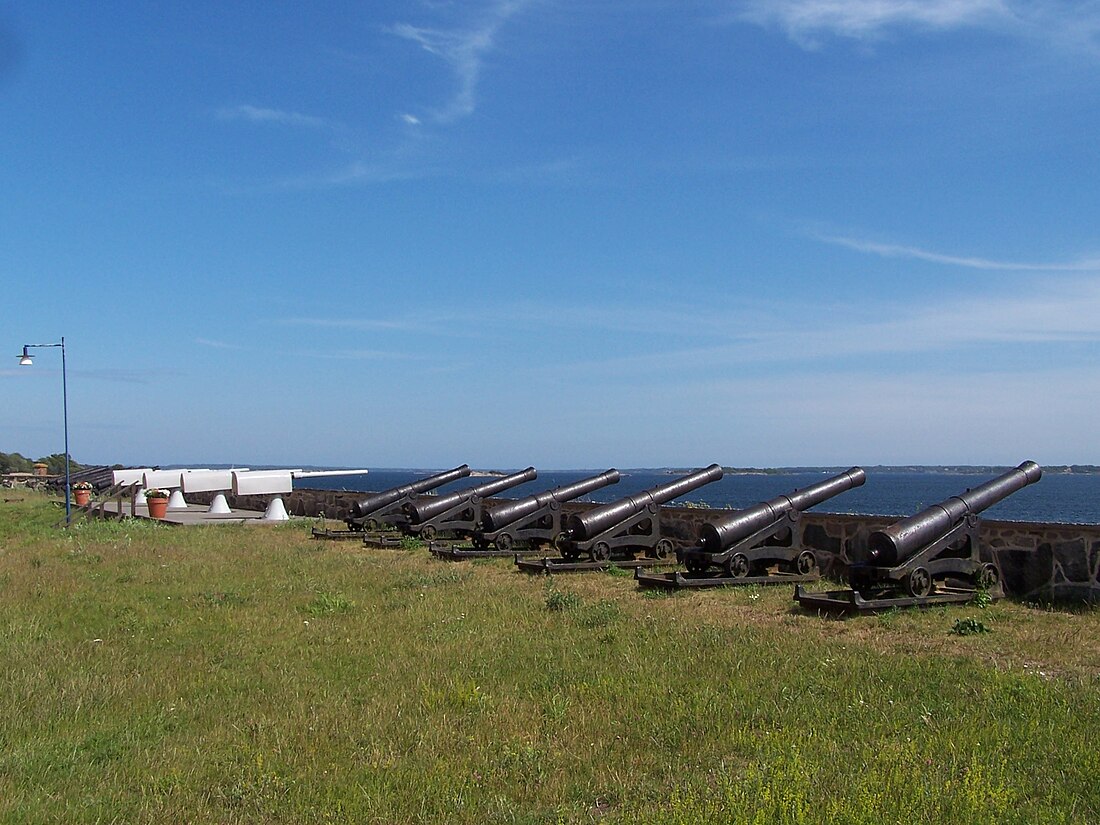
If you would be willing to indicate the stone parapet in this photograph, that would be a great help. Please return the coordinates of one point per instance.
(1039, 562)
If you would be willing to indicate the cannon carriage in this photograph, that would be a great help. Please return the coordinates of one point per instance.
(615, 533)
(459, 513)
(933, 557)
(525, 525)
(742, 548)
(387, 509)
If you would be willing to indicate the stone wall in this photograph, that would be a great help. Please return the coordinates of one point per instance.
(1039, 562)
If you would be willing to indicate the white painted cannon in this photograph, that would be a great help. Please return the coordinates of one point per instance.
(132, 476)
(266, 483)
(276, 483)
(211, 481)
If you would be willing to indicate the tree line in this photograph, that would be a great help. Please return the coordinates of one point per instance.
(55, 464)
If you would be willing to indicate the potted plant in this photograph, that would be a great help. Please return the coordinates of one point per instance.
(157, 500)
(82, 493)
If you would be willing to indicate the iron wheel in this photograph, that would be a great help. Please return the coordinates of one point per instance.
(918, 583)
(738, 566)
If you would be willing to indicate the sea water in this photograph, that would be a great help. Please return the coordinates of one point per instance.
(1057, 497)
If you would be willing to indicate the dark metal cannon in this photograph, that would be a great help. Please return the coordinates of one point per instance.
(460, 512)
(939, 541)
(920, 554)
(536, 519)
(386, 508)
(904, 539)
(630, 524)
(744, 545)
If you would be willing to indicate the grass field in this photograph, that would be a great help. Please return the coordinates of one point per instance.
(252, 674)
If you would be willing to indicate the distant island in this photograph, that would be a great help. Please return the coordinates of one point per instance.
(948, 469)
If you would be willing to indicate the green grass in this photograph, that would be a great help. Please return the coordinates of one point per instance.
(247, 674)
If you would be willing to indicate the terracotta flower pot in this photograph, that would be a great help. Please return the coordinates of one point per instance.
(82, 497)
(158, 507)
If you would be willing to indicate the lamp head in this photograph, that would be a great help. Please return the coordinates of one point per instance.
(26, 359)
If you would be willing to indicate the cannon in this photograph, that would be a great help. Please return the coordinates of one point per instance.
(459, 512)
(385, 509)
(745, 545)
(531, 521)
(623, 528)
(912, 561)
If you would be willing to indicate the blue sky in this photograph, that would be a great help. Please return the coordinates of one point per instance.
(571, 234)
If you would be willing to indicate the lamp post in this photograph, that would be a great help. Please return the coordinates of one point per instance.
(25, 360)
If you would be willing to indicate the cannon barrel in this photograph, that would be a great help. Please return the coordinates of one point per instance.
(506, 514)
(717, 536)
(420, 511)
(586, 525)
(371, 504)
(892, 545)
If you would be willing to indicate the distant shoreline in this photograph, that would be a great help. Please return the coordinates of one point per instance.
(960, 469)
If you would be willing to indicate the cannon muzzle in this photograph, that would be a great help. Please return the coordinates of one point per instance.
(892, 545)
(584, 526)
(717, 536)
(506, 514)
(371, 504)
(420, 511)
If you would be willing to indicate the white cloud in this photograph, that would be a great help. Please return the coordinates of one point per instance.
(259, 114)
(206, 342)
(372, 324)
(898, 251)
(805, 19)
(1063, 22)
(919, 415)
(362, 355)
(464, 49)
(1049, 314)
(412, 120)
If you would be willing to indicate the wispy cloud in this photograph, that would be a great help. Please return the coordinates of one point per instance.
(856, 416)
(899, 251)
(259, 114)
(323, 353)
(110, 375)
(1046, 315)
(364, 355)
(477, 321)
(206, 342)
(464, 49)
(807, 21)
(124, 376)
(365, 324)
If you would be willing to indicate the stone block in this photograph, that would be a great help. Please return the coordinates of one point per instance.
(1026, 573)
(816, 537)
(1073, 560)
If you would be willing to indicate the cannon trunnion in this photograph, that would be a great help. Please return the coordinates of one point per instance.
(743, 547)
(923, 559)
(386, 509)
(618, 531)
